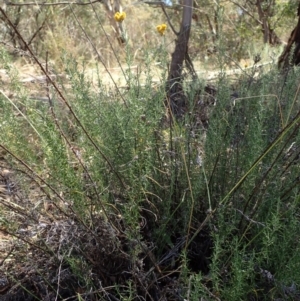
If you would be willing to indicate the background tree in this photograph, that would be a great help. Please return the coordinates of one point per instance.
(175, 94)
(261, 12)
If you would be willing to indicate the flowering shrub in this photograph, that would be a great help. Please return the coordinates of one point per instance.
(120, 17)
(161, 28)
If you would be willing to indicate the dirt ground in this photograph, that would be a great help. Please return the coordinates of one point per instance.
(32, 77)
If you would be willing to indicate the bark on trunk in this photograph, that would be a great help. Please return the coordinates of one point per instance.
(291, 54)
(176, 98)
(264, 15)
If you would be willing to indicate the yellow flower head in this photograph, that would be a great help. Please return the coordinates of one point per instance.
(120, 17)
(161, 28)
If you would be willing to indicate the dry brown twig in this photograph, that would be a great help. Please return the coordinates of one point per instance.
(61, 96)
(7, 255)
(51, 4)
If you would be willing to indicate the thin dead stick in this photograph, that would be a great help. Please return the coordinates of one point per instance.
(20, 112)
(249, 219)
(49, 251)
(8, 254)
(208, 217)
(77, 157)
(50, 4)
(246, 11)
(34, 175)
(98, 54)
(113, 50)
(168, 18)
(59, 273)
(63, 98)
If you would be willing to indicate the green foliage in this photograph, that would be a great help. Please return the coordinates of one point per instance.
(154, 206)
(253, 179)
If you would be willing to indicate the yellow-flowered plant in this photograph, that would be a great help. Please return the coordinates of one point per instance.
(120, 17)
(161, 28)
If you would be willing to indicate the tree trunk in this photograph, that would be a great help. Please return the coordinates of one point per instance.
(176, 97)
(291, 54)
(264, 16)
